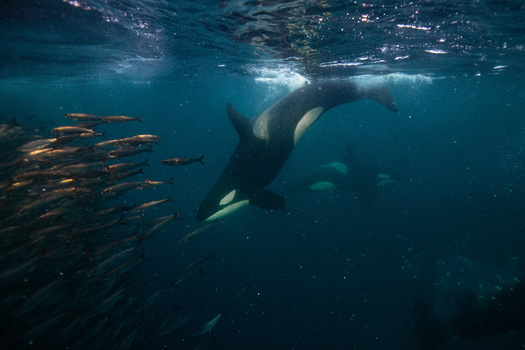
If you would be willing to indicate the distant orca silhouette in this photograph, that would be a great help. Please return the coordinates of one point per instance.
(267, 141)
(346, 174)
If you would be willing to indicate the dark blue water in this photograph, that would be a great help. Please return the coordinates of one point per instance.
(330, 273)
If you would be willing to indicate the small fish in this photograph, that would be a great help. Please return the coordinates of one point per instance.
(183, 280)
(40, 175)
(37, 152)
(41, 296)
(125, 174)
(83, 117)
(207, 326)
(170, 324)
(36, 144)
(44, 201)
(182, 161)
(197, 232)
(155, 184)
(120, 119)
(90, 135)
(65, 139)
(125, 166)
(115, 210)
(242, 305)
(138, 140)
(122, 188)
(159, 224)
(105, 144)
(82, 167)
(9, 165)
(150, 205)
(240, 292)
(127, 152)
(71, 130)
(45, 154)
(196, 263)
(148, 136)
(115, 246)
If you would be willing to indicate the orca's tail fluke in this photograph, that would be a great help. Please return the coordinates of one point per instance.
(430, 331)
(381, 95)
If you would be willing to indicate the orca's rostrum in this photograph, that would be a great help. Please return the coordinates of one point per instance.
(267, 141)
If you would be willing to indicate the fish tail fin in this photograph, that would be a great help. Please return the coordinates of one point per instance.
(140, 118)
(430, 331)
(200, 160)
(170, 181)
(381, 95)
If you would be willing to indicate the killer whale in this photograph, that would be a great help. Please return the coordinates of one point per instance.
(267, 141)
(347, 174)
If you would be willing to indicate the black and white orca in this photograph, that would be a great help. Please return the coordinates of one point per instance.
(346, 174)
(267, 141)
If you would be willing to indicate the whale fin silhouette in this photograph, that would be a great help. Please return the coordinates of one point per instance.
(242, 125)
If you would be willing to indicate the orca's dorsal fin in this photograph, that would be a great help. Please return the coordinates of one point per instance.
(242, 125)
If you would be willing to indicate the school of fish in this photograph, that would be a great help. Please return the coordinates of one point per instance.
(70, 244)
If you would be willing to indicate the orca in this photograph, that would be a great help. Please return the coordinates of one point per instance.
(267, 141)
(346, 174)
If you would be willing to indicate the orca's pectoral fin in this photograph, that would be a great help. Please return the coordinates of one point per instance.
(268, 200)
(241, 124)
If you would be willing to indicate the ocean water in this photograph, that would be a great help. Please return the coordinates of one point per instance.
(329, 271)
